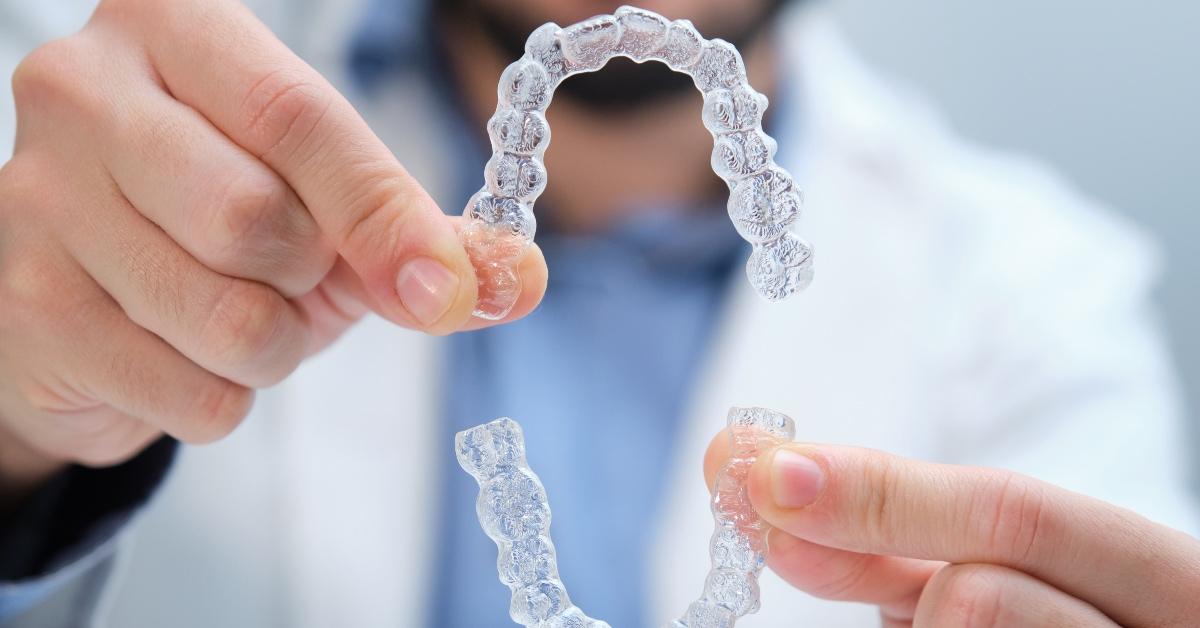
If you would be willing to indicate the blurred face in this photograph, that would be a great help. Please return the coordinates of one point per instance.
(623, 84)
(714, 18)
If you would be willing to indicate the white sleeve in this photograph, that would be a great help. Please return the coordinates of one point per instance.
(1061, 371)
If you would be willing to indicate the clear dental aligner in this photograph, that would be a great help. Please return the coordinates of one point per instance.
(515, 513)
(739, 543)
(763, 201)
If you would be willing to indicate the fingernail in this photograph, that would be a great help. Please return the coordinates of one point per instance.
(796, 481)
(427, 289)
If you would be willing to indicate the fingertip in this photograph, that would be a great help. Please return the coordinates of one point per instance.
(715, 456)
(758, 487)
(534, 277)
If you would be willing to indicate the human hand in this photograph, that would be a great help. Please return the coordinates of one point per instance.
(942, 545)
(189, 212)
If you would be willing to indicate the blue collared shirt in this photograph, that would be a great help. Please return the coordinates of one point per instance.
(597, 376)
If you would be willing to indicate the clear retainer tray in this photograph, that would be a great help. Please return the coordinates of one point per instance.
(763, 199)
(514, 512)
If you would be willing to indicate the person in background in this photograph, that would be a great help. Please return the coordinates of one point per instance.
(192, 215)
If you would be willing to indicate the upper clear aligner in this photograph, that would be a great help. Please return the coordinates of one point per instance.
(763, 201)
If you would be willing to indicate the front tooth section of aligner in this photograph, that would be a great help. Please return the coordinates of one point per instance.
(499, 288)
(682, 48)
(642, 32)
(589, 44)
(545, 47)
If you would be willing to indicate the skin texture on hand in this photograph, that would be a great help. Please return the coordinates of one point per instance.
(190, 212)
(943, 545)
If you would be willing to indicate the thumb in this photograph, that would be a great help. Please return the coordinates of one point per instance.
(413, 268)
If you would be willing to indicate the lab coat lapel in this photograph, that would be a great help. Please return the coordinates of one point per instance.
(362, 452)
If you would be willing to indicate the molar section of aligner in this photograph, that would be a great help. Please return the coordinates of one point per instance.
(764, 206)
(485, 449)
(780, 268)
(742, 154)
(500, 222)
(731, 110)
(519, 132)
(514, 176)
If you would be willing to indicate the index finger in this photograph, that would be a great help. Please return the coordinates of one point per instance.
(215, 56)
(868, 501)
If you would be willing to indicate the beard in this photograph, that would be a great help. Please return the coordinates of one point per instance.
(622, 86)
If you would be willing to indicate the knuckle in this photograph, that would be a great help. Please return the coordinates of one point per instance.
(968, 596)
(29, 289)
(127, 9)
(245, 220)
(1012, 509)
(52, 72)
(282, 110)
(220, 409)
(883, 482)
(383, 216)
(244, 322)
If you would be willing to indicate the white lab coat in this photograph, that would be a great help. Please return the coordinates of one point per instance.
(968, 307)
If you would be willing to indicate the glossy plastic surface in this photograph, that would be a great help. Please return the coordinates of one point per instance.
(515, 513)
(764, 200)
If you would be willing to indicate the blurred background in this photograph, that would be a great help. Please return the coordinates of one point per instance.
(1107, 93)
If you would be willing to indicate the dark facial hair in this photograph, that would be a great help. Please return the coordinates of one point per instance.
(622, 85)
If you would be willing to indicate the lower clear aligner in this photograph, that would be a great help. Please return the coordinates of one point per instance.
(764, 201)
(515, 513)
